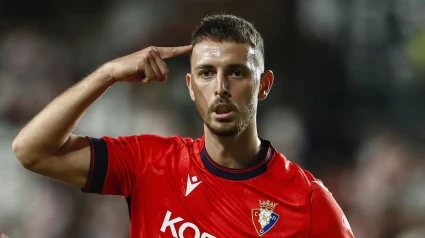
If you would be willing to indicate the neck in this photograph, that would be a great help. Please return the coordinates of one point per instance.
(235, 152)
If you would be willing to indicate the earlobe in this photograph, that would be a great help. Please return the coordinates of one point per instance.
(262, 94)
(266, 83)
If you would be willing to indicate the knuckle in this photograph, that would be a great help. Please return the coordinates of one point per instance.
(152, 51)
(145, 54)
(151, 75)
(146, 80)
(173, 49)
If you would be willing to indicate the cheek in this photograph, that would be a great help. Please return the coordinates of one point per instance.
(200, 95)
(244, 92)
(205, 89)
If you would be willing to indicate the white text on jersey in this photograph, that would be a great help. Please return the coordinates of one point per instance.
(170, 223)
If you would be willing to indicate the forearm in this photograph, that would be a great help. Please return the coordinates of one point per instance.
(48, 131)
(46, 145)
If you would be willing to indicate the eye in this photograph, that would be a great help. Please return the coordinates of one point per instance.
(236, 73)
(205, 73)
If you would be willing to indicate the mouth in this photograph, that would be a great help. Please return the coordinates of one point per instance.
(223, 109)
(224, 113)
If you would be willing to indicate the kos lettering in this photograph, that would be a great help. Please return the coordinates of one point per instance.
(171, 223)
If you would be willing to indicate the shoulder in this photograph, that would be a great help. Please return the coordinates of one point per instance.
(327, 217)
(149, 139)
(149, 142)
(295, 174)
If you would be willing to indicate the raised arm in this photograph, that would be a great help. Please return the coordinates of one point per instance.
(47, 147)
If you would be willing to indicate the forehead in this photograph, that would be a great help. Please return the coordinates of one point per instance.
(221, 53)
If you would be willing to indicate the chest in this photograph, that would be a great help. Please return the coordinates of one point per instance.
(183, 200)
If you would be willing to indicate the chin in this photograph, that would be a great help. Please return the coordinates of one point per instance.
(225, 133)
(223, 130)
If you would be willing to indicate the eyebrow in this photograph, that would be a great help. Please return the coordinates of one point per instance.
(208, 66)
(233, 66)
(203, 66)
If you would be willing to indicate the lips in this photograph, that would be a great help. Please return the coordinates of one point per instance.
(223, 109)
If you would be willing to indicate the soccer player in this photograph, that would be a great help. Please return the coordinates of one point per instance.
(229, 183)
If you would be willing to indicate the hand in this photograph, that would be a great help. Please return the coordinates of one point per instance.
(144, 66)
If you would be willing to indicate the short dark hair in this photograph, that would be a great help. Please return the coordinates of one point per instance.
(228, 28)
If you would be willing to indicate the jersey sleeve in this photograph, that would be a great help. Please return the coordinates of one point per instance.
(117, 163)
(327, 218)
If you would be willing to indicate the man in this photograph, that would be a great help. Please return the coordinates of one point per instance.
(229, 183)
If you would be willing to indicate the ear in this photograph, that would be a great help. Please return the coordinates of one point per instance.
(189, 86)
(266, 83)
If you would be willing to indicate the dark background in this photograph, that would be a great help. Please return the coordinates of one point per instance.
(347, 102)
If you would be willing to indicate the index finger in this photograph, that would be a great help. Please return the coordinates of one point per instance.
(170, 52)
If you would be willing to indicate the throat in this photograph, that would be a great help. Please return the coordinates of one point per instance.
(240, 156)
(230, 167)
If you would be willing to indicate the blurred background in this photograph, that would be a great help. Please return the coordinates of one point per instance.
(347, 102)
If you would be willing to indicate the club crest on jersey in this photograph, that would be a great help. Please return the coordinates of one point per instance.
(264, 218)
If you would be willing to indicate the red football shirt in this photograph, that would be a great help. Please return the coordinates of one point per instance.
(174, 189)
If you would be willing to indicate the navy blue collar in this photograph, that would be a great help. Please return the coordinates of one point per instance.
(266, 152)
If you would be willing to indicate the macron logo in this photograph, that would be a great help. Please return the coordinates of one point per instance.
(191, 184)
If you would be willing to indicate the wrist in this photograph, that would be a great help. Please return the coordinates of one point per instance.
(105, 74)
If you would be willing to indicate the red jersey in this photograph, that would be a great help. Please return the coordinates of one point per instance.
(174, 189)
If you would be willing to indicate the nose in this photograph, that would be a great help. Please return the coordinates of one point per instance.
(222, 87)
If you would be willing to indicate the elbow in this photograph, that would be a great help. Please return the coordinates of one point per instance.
(17, 149)
(22, 155)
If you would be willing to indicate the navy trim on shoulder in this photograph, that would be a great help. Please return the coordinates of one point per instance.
(98, 166)
(266, 152)
(128, 200)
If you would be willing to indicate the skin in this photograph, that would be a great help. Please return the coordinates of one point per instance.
(47, 146)
(229, 74)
